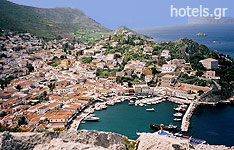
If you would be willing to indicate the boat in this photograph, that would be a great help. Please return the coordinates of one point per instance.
(201, 34)
(150, 109)
(170, 128)
(92, 118)
(98, 108)
(82, 122)
(178, 134)
(131, 103)
(179, 109)
(141, 104)
(177, 119)
(178, 114)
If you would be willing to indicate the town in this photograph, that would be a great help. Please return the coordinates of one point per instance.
(45, 85)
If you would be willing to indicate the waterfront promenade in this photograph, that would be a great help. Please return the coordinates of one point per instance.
(76, 122)
(179, 100)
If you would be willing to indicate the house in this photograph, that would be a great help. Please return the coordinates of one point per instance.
(210, 75)
(168, 68)
(57, 125)
(43, 109)
(41, 127)
(142, 89)
(148, 71)
(120, 74)
(155, 57)
(166, 80)
(88, 52)
(165, 54)
(148, 78)
(210, 63)
(148, 50)
(178, 62)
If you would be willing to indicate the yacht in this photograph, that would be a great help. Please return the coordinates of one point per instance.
(178, 114)
(91, 118)
(177, 119)
(150, 109)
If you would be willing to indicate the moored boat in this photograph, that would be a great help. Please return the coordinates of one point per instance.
(177, 119)
(170, 128)
(92, 118)
(150, 109)
(178, 114)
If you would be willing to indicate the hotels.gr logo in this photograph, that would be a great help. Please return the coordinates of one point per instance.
(217, 13)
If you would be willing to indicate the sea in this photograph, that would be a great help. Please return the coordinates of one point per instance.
(213, 124)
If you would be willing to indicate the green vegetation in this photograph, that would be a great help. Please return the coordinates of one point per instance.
(199, 82)
(130, 145)
(105, 73)
(56, 63)
(185, 77)
(47, 23)
(6, 81)
(59, 129)
(88, 36)
(86, 60)
(16, 129)
(152, 83)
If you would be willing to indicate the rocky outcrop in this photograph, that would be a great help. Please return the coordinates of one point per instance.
(93, 140)
(157, 142)
(80, 140)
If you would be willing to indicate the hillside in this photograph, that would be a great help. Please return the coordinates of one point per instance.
(122, 29)
(43, 22)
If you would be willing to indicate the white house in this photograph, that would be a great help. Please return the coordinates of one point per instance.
(167, 68)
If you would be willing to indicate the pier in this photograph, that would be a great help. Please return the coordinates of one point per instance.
(187, 116)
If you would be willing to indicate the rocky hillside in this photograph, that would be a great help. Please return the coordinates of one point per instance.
(45, 22)
(157, 142)
(122, 29)
(89, 140)
(93, 140)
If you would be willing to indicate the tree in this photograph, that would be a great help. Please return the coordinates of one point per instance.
(18, 87)
(199, 73)
(155, 71)
(30, 67)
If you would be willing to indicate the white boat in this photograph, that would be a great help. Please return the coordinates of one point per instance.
(92, 118)
(150, 109)
(178, 114)
(98, 108)
(141, 105)
(177, 119)
(118, 101)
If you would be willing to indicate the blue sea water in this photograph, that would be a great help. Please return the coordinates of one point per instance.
(128, 120)
(223, 34)
(213, 124)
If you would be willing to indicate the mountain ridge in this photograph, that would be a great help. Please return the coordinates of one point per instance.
(45, 22)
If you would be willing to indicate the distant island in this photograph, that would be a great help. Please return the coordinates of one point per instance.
(210, 20)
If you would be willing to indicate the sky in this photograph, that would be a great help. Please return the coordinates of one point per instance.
(132, 13)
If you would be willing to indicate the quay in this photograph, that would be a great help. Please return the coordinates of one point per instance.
(187, 116)
(76, 122)
(179, 100)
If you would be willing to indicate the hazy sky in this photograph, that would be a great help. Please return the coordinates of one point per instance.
(132, 13)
